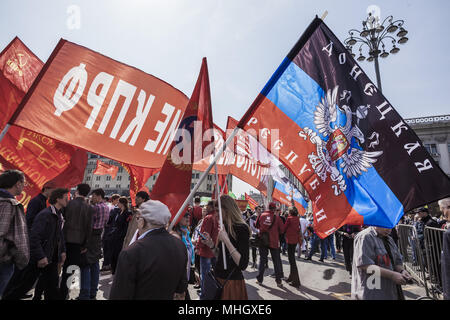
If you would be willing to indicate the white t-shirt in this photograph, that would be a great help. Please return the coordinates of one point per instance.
(304, 224)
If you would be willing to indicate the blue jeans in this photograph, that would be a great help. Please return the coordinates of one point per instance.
(330, 244)
(90, 276)
(315, 240)
(205, 266)
(6, 272)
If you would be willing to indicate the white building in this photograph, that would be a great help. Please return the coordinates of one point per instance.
(121, 183)
(435, 135)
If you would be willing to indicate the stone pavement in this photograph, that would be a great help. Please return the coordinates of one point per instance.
(326, 280)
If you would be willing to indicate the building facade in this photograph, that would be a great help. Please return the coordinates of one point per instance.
(121, 183)
(435, 135)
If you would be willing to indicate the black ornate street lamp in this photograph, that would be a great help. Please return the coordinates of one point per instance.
(372, 36)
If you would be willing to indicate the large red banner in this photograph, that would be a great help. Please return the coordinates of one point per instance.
(88, 100)
(41, 158)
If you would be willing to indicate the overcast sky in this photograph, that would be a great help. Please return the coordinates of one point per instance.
(243, 40)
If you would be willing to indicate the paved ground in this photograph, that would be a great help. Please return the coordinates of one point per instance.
(320, 281)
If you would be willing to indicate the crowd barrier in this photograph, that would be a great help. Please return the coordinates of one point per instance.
(422, 257)
(413, 257)
(433, 248)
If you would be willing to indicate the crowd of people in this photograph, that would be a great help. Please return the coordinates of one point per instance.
(60, 234)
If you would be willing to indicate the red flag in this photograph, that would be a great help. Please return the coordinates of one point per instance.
(223, 186)
(18, 69)
(74, 173)
(138, 178)
(104, 168)
(174, 182)
(39, 157)
(251, 202)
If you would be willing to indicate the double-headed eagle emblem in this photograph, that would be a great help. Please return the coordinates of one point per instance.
(337, 151)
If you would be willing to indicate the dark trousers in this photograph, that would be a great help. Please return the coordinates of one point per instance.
(338, 241)
(276, 258)
(347, 246)
(25, 281)
(254, 254)
(315, 241)
(73, 258)
(293, 274)
(115, 250)
(107, 251)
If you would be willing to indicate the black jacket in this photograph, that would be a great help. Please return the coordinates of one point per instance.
(36, 205)
(78, 222)
(120, 227)
(46, 236)
(153, 268)
(109, 228)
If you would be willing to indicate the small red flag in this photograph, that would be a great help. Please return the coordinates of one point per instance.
(104, 168)
(138, 178)
(251, 202)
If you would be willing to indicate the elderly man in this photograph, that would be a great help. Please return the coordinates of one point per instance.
(153, 267)
(444, 205)
(377, 266)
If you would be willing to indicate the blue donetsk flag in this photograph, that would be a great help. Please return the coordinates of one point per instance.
(287, 194)
(358, 160)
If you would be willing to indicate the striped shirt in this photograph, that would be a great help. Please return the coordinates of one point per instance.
(101, 215)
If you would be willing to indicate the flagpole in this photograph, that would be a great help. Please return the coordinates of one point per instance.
(4, 131)
(203, 177)
(220, 215)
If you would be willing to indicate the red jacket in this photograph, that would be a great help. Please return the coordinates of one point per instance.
(197, 213)
(263, 224)
(211, 226)
(292, 229)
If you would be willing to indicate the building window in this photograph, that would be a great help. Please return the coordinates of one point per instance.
(129, 178)
(120, 170)
(208, 187)
(97, 178)
(192, 185)
(89, 170)
(431, 148)
(107, 186)
(118, 186)
(108, 178)
(88, 178)
(96, 186)
(197, 175)
(128, 186)
(154, 178)
(119, 178)
(209, 177)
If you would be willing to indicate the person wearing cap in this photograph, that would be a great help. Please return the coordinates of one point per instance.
(154, 266)
(271, 223)
(425, 220)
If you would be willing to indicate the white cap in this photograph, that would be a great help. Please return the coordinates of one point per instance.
(155, 212)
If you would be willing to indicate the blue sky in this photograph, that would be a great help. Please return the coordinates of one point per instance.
(244, 42)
